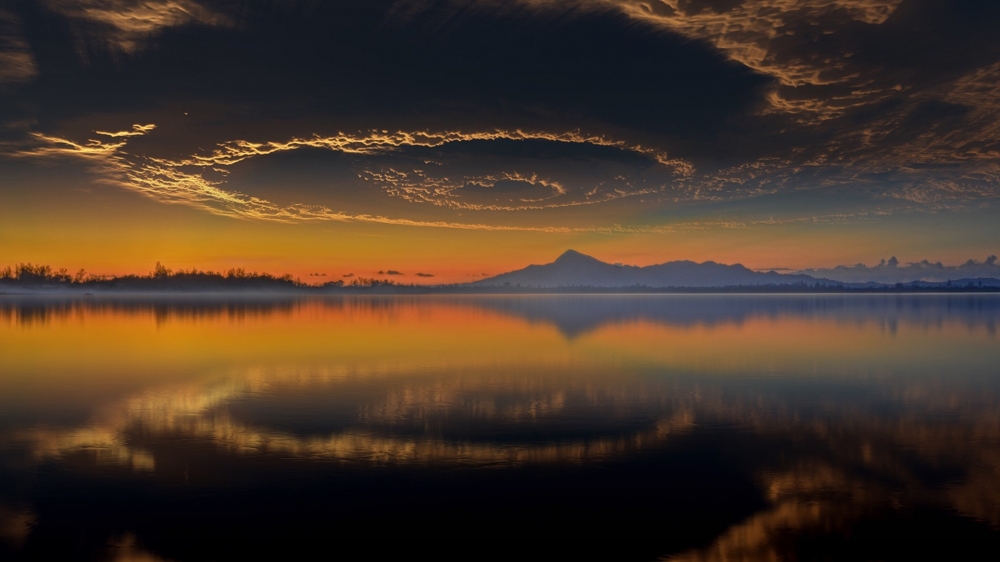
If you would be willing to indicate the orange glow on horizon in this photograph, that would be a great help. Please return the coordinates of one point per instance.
(110, 232)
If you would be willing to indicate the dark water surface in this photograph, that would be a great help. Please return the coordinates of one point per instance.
(680, 427)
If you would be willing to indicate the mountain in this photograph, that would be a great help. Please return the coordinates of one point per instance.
(579, 270)
(988, 282)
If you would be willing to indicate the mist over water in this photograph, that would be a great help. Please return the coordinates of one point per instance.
(698, 427)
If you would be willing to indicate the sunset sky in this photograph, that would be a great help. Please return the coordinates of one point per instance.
(460, 138)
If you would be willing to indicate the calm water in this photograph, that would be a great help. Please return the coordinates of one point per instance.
(682, 427)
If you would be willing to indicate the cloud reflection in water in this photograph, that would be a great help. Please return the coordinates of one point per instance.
(838, 409)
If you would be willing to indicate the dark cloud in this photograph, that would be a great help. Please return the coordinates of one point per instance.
(346, 63)
(422, 112)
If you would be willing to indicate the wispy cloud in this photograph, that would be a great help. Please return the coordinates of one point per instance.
(17, 63)
(125, 24)
(483, 192)
(374, 142)
(46, 146)
(53, 147)
(137, 131)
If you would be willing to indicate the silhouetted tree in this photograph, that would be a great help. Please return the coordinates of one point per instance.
(160, 271)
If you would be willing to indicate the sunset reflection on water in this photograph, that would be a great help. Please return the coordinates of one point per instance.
(713, 427)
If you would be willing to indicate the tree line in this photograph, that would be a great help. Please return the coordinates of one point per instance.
(161, 277)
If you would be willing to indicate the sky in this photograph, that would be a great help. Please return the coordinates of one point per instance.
(463, 138)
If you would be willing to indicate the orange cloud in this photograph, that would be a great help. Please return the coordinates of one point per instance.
(137, 131)
(181, 181)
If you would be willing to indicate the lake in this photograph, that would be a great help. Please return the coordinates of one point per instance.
(677, 427)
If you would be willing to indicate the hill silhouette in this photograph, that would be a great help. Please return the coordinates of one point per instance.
(575, 269)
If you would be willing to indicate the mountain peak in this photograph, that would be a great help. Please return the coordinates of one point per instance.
(573, 269)
(573, 255)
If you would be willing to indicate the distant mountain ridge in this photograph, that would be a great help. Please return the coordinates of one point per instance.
(954, 283)
(572, 272)
(573, 269)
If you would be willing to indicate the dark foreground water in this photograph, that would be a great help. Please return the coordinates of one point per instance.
(678, 427)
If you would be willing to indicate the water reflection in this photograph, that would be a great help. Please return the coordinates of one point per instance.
(571, 314)
(717, 428)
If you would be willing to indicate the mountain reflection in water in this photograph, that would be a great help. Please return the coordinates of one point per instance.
(687, 427)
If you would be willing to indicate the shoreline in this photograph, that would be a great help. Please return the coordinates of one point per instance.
(450, 291)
